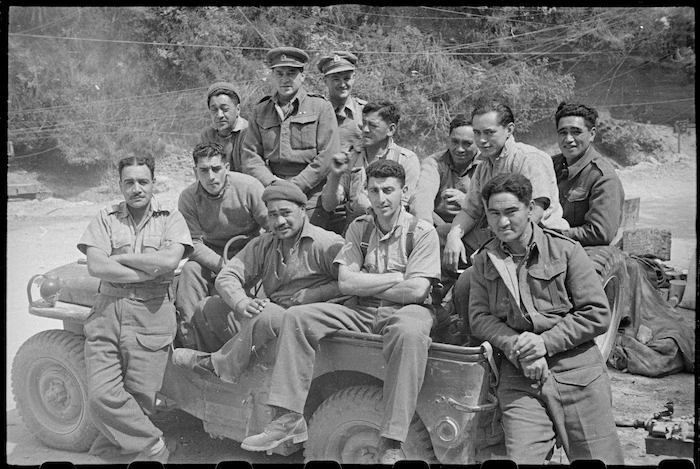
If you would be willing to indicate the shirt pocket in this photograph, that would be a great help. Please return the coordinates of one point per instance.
(121, 242)
(269, 133)
(151, 243)
(548, 288)
(302, 129)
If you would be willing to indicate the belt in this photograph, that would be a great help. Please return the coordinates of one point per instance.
(135, 293)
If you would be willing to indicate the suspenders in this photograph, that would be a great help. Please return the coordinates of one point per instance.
(364, 244)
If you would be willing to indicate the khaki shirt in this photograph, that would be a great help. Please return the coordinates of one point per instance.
(387, 252)
(350, 122)
(352, 187)
(524, 159)
(232, 143)
(297, 146)
(438, 173)
(310, 265)
(113, 231)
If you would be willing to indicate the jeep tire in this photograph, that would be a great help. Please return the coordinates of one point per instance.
(611, 267)
(345, 428)
(50, 388)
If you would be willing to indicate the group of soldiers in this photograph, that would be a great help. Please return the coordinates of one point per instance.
(340, 228)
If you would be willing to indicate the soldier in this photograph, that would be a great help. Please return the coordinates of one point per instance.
(590, 191)
(220, 205)
(445, 178)
(536, 297)
(388, 262)
(227, 126)
(294, 261)
(293, 134)
(494, 124)
(133, 248)
(347, 180)
(338, 71)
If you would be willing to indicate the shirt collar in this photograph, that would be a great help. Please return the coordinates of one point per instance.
(122, 210)
(306, 232)
(237, 127)
(350, 105)
(403, 214)
(299, 97)
(536, 242)
(582, 162)
(507, 150)
(447, 157)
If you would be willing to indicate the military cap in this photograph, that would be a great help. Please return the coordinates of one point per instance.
(340, 61)
(282, 189)
(287, 57)
(220, 86)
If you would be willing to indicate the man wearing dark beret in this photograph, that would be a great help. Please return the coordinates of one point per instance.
(227, 126)
(294, 263)
(293, 134)
(338, 69)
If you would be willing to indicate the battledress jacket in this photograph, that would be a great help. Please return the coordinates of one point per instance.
(555, 293)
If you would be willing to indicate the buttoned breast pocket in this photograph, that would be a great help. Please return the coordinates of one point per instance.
(548, 288)
(578, 199)
(269, 133)
(151, 243)
(121, 242)
(302, 129)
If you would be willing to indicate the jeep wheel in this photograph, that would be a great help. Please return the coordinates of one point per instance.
(50, 389)
(610, 265)
(345, 428)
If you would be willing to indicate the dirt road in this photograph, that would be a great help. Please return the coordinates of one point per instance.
(43, 234)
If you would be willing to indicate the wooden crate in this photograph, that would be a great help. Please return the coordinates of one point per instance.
(655, 241)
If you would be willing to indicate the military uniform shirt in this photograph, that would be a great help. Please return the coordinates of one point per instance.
(352, 185)
(524, 159)
(438, 173)
(350, 122)
(113, 231)
(591, 196)
(297, 145)
(232, 143)
(309, 265)
(387, 252)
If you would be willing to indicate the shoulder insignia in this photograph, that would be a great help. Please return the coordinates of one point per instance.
(556, 234)
(112, 208)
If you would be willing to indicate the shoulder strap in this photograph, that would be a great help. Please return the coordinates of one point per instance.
(364, 244)
(410, 235)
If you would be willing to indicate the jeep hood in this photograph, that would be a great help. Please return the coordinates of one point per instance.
(77, 286)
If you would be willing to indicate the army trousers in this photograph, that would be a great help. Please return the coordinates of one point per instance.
(126, 351)
(406, 338)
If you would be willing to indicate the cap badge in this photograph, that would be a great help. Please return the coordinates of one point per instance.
(283, 57)
(336, 58)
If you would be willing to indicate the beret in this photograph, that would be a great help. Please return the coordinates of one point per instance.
(340, 61)
(287, 57)
(284, 190)
(219, 86)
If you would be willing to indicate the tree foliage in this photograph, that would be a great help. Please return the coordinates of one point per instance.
(136, 78)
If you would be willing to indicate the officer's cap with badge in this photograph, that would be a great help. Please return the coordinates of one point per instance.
(336, 62)
(287, 57)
